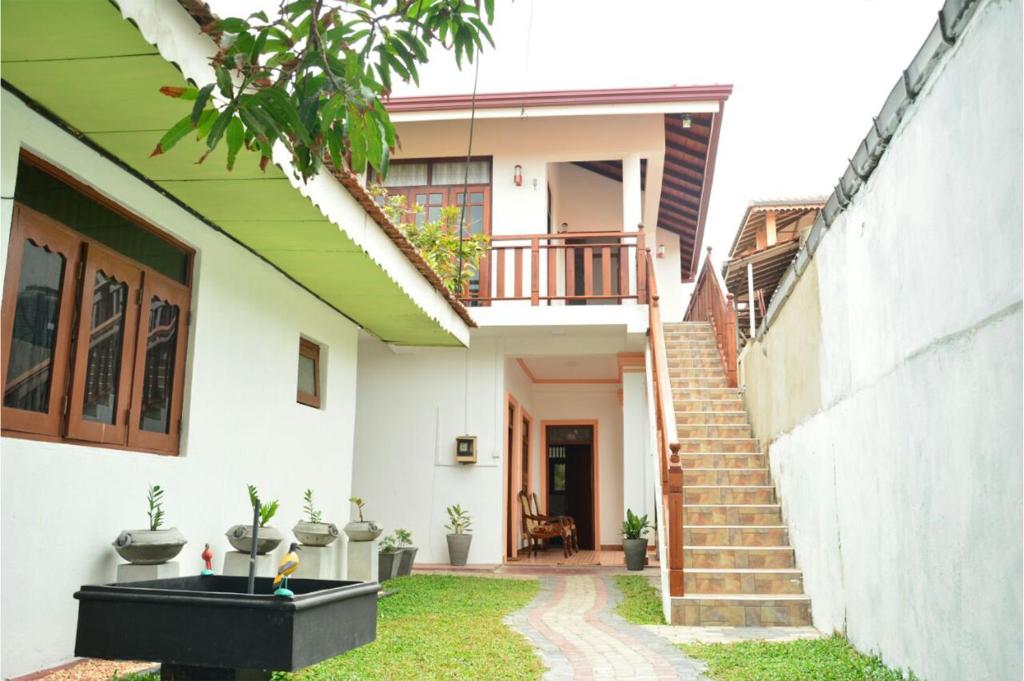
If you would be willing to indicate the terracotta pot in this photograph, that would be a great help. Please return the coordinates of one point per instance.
(149, 547)
(359, 530)
(240, 537)
(315, 534)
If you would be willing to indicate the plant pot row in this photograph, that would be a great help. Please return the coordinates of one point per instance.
(397, 563)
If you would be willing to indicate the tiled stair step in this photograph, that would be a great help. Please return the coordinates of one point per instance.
(711, 417)
(735, 405)
(742, 610)
(719, 444)
(711, 364)
(680, 382)
(726, 494)
(706, 358)
(691, 341)
(725, 476)
(735, 535)
(738, 557)
(674, 351)
(722, 460)
(689, 334)
(704, 393)
(732, 514)
(743, 581)
(713, 430)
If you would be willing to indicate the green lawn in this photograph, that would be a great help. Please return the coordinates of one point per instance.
(440, 627)
(641, 603)
(826, 659)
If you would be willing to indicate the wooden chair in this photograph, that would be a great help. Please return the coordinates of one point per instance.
(538, 530)
(566, 520)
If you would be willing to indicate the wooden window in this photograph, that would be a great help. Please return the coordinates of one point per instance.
(94, 314)
(309, 373)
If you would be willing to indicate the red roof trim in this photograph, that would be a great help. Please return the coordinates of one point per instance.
(500, 100)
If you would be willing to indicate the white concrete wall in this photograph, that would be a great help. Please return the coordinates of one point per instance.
(585, 200)
(902, 484)
(61, 505)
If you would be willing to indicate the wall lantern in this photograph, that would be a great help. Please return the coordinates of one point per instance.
(661, 250)
(687, 121)
(465, 449)
(518, 176)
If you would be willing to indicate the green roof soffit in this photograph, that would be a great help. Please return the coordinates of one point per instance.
(83, 62)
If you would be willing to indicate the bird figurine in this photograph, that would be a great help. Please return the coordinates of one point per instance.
(207, 556)
(288, 565)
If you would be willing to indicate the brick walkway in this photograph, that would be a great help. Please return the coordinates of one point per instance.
(578, 637)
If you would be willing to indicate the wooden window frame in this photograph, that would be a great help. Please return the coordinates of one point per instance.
(308, 348)
(83, 257)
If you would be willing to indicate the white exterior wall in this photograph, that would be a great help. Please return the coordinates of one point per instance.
(902, 488)
(61, 505)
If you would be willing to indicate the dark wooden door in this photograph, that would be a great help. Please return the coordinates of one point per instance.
(571, 487)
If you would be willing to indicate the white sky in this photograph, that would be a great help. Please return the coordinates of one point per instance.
(808, 75)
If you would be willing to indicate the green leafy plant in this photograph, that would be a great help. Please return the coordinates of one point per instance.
(403, 537)
(313, 513)
(359, 503)
(267, 510)
(389, 544)
(313, 77)
(459, 520)
(155, 497)
(635, 527)
(444, 243)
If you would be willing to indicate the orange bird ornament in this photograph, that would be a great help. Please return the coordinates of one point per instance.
(289, 564)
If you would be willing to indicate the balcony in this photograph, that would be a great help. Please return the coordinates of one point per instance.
(557, 270)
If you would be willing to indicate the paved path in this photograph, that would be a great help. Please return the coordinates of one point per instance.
(572, 625)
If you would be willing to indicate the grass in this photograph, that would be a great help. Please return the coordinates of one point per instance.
(827, 659)
(440, 627)
(641, 603)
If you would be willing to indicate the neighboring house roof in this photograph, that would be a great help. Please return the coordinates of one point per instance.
(690, 150)
(769, 263)
(87, 67)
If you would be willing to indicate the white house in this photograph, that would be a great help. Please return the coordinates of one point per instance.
(197, 290)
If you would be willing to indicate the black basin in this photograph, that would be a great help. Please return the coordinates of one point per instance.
(211, 622)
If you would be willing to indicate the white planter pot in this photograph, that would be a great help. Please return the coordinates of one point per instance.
(315, 534)
(358, 530)
(149, 547)
(240, 537)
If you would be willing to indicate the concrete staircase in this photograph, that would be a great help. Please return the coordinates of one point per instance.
(739, 568)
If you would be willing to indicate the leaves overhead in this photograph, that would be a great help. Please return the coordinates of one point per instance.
(313, 77)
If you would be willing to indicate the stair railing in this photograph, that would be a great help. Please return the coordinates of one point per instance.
(667, 434)
(709, 304)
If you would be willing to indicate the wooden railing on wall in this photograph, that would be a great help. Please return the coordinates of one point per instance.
(542, 268)
(710, 304)
(668, 436)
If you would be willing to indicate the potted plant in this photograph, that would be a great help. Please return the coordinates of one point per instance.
(404, 540)
(155, 545)
(458, 539)
(634, 541)
(313, 531)
(362, 530)
(240, 536)
(388, 558)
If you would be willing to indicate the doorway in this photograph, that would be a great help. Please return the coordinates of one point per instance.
(570, 467)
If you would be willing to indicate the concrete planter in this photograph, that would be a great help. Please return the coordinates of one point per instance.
(240, 537)
(458, 548)
(636, 553)
(149, 547)
(363, 530)
(315, 534)
(387, 565)
(408, 555)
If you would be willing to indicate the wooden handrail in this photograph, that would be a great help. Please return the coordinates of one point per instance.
(667, 433)
(562, 236)
(709, 304)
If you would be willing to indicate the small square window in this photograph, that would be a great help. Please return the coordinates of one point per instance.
(309, 373)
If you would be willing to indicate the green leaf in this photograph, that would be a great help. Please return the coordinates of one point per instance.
(489, 9)
(356, 140)
(173, 136)
(224, 83)
(201, 99)
(281, 106)
(205, 123)
(374, 144)
(257, 48)
(233, 25)
(219, 126)
(235, 135)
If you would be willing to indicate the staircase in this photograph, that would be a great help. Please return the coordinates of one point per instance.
(739, 568)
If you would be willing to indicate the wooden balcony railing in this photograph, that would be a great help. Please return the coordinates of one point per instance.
(574, 267)
(709, 304)
(671, 516)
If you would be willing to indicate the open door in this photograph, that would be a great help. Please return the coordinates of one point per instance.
(571, 465)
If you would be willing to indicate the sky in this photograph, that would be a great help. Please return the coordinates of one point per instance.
(808, 75)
